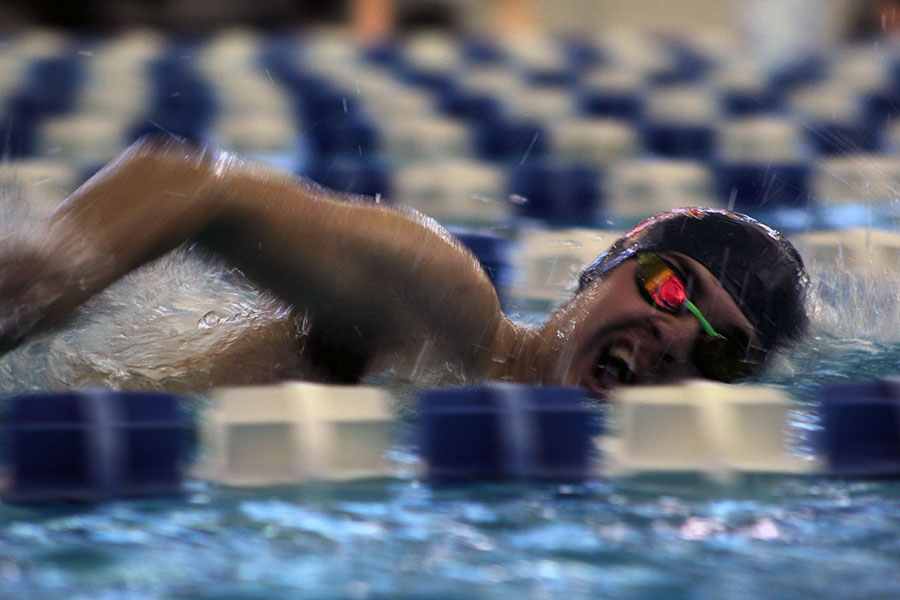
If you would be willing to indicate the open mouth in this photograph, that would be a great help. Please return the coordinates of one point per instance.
(616, 365)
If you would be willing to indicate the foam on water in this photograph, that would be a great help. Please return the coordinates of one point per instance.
(854, 326)
(163, 325)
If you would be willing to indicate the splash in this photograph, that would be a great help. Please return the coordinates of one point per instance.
(182, 322)
(854, 330)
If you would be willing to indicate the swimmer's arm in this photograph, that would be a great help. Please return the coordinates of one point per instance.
(368, 270)
(372, 272)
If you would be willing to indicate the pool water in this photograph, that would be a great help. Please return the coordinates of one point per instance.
(668, 538)
(777, 539)
(655, 537)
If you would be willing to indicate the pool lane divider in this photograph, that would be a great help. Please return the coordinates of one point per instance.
(860, 432)
(719, 430)
(95, 445)
(508, 431)
(295, 432)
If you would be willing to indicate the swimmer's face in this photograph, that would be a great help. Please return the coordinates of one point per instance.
(610, 334)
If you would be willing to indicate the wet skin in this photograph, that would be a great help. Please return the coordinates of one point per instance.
(610, 334)
(393, 290)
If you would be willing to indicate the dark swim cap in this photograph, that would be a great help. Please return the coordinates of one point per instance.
(759, 268)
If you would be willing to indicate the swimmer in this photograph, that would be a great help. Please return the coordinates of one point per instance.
(689, 293)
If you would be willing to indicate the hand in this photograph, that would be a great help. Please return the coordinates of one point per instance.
(39, 287)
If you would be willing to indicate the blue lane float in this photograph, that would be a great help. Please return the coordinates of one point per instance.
(48, 89)
(367, 175)
(500, 138)
(688, 141)
(600, 101)
(93, 445)
(492, 251)
(182, 101)
(861, 428)
(752, 186)
(556, 192)
(508, 431)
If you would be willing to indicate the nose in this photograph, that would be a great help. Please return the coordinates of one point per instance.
(677, 335)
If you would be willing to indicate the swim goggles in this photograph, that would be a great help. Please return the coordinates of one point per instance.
(715, 356)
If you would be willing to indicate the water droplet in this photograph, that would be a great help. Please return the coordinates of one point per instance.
(210, 319)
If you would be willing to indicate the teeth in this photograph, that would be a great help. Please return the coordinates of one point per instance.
(622, 353)
(618, 362)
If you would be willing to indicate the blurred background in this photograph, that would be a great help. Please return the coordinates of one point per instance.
(537, 131)
(563, 16)
(504, 119)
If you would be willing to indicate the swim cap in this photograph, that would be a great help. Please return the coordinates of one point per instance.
(759, 268)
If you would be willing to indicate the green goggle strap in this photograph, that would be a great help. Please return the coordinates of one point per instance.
(692, 308)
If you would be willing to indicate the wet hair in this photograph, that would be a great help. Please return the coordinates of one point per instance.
(759, 268)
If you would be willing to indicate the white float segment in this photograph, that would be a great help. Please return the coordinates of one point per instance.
(761, 141)
(83, 138)
(862, 67)
(546, 104)
(256, 133)
(127, 49)
(857, 179)
(853, 248)
(432, 51)
(634, 50)
(460, 192)
(294, 432)
(643, 188)
(418, 139)
(534, 52)
(253, 95)
(683, 105)
(496, 81)
(619, 80)
(594, 142)
(718, 45)
(330, 47)
(547, 262)
(116, 84)
(717, 429)
(231, 51)
(122, 97)
(43, 183)
(828, 102)
(361, 78)
(398, 103)
(741, 75)
(39, 42)
(12, 70)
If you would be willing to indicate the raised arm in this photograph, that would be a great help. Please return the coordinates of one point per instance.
(363, 268)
